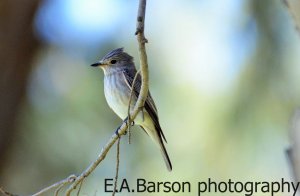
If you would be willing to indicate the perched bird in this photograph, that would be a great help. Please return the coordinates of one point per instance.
(119, 72)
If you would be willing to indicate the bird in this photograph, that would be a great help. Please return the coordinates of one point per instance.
(119, 72)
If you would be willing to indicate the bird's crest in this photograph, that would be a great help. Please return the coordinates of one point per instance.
(118, 54)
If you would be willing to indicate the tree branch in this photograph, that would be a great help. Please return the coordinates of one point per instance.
(59, 184)
(142, 53)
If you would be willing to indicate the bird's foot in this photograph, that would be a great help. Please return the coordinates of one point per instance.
(127, 121)
(132, 123)
(117, 131)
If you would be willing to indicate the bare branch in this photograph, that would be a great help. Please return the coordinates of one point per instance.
(142, 53)
(101, 157)
(58, 189)
(79, 189)
(59, 184)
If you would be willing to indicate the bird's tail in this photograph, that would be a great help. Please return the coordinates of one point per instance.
(165, 155)
(157, 138)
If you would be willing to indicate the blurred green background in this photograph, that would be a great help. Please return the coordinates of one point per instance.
(224, 76)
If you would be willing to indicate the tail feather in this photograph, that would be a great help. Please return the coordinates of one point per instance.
(165, 155)
(157, 138)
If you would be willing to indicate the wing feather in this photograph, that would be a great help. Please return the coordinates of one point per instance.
(149, 103)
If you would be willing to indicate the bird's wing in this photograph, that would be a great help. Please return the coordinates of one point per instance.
(149, 103)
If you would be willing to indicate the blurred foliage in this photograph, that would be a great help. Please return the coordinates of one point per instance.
(234, 128)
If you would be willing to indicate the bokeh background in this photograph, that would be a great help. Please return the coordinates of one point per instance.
(224, 76)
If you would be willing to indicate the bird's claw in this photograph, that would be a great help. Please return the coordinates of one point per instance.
(127, 121)
(117, 131)
(132, 123)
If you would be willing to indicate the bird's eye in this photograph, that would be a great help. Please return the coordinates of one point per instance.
(113, 61)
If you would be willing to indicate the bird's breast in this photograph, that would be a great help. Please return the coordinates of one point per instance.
(117, 94)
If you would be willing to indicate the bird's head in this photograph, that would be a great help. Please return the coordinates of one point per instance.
(115, 60)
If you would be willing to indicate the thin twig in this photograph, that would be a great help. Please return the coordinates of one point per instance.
(58, 189)
(79, 189)
(101, 156)
(129, 104)
(117, 167)
(59, 184)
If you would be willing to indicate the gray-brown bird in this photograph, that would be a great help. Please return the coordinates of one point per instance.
(119, 72)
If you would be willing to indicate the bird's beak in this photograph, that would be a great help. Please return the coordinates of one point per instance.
(97, 64)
